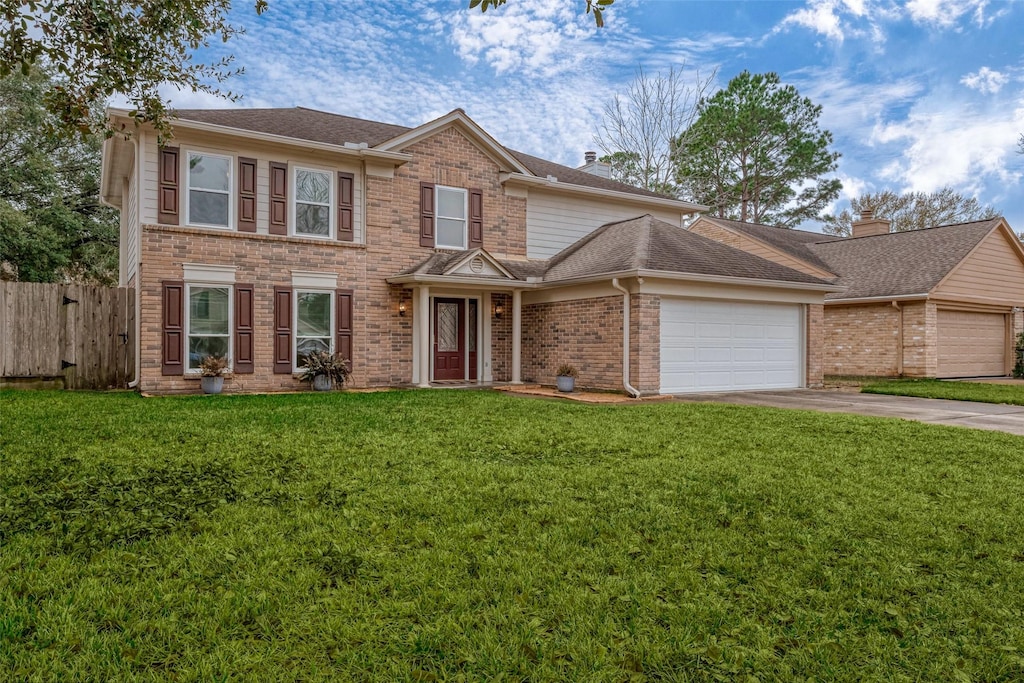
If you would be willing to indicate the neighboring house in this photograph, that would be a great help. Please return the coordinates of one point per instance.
(432, 255)
(941, 302)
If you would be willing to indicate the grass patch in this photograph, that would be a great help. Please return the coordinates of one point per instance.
(456, 535)
(955, 391)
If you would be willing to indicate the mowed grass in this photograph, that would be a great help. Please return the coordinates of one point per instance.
(1012, 394)
(457, 535)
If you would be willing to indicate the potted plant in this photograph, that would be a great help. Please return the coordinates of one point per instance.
(212, 369)
(566, 379)
(324, 370)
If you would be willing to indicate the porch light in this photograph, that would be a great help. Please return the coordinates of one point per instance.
(499, 310)
(401, 308)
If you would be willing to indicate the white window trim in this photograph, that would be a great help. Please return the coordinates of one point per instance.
(465, 217)
(188, 322)
(295, 321)
(331, 205)
(230, 193)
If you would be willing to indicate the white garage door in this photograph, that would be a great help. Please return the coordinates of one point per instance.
(971, 344)
(727, 346)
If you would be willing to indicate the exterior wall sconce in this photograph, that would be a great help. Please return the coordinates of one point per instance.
(499, 310)
(401, 309)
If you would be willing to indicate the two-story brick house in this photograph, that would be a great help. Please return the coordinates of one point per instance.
(432, 254)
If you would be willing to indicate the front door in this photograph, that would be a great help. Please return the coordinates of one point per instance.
(449, 339)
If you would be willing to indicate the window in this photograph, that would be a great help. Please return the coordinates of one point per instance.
(450, 232)
(208, 324)
(314, 323)
(209, 190)
(314, 194)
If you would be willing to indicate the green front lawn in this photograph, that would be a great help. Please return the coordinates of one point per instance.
(956, 391)
(459, 535)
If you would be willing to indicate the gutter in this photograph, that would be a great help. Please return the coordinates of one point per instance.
(868, 299)
(630, 389)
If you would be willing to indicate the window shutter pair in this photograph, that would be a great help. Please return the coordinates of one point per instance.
(283, 302)
(172, 360)
(428, 217)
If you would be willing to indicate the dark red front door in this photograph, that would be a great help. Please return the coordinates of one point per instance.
(449, 339)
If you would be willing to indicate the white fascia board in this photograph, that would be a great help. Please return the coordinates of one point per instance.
(460, 281)
(874, 299)
(515, 179)
(396, 158)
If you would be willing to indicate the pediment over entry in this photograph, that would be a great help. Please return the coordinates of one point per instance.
(478, 263)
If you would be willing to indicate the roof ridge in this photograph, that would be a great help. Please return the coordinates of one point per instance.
(930, 227)
(643, 245)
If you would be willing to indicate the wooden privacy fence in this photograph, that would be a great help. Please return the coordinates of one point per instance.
(80, 334)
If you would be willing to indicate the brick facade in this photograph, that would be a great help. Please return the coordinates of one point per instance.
(815, 346)
(586, 333)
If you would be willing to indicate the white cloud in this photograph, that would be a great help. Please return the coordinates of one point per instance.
(948, 142)
(819, 16)
(948, 13)
(985, 81)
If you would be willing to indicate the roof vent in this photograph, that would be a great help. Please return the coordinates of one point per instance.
(589, 157)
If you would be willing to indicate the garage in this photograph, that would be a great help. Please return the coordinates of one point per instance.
(971, 344)
(730, 346)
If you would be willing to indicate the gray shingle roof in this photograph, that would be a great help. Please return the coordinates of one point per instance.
(895, 264)
(900, 263)
(646, 243)
(335, 129)
(795, 242)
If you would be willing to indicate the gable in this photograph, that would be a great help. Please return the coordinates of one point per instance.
(736, 240)
(993, 270)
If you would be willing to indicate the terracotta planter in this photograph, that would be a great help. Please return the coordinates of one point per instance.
(212, 385)
(565, 383)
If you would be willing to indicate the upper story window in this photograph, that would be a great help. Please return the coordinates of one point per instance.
(314, 197)
(208, 196)
(451, 218)
(208, 323)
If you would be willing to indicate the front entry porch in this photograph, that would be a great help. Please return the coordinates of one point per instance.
(459, 335)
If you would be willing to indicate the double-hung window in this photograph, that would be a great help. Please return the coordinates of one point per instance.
(451, 218)
(314, 323)
(208, 323)
(314, 197)
(208, 198)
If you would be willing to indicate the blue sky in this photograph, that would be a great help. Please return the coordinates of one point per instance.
(917, 94)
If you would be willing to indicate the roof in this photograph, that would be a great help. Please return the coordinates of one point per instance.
(646, 243)
(334, 129)
(794, 242)
(900, 263)
(638, 244)
(894, 264)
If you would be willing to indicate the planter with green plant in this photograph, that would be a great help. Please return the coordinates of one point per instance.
(566, 379)
(1018, 368)
(212, 369)
(324, 371)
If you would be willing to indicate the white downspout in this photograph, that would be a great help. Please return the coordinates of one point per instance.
(630, 389)
(139, 148)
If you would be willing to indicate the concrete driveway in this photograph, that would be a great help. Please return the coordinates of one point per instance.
(993, 416)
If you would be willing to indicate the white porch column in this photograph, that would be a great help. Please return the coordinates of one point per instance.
(422, 323)
(485, 336)
(517, 336)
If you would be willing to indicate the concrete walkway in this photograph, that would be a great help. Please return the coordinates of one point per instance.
(993, 416)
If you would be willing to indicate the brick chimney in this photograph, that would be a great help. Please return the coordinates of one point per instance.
(868, 225)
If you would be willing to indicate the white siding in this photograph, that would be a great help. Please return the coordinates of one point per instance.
(130, 216)
(263, 158)
(553, 222)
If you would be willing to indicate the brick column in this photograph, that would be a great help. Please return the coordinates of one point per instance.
(815, 314)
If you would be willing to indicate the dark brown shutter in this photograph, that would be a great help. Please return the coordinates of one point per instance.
(244, 342)
(346, 206)
(426, 214)
(168, 201)
(282, 330)
(344, 316)
(476, 219)
(246, 195)
(278, 198)
(172, 359)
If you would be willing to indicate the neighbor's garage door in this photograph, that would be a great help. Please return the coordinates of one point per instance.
(725, 346)
(971, 344)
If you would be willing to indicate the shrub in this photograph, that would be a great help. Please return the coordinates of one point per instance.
(213, 366)
(1018, 368)
(320, 363)
(566, 370)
